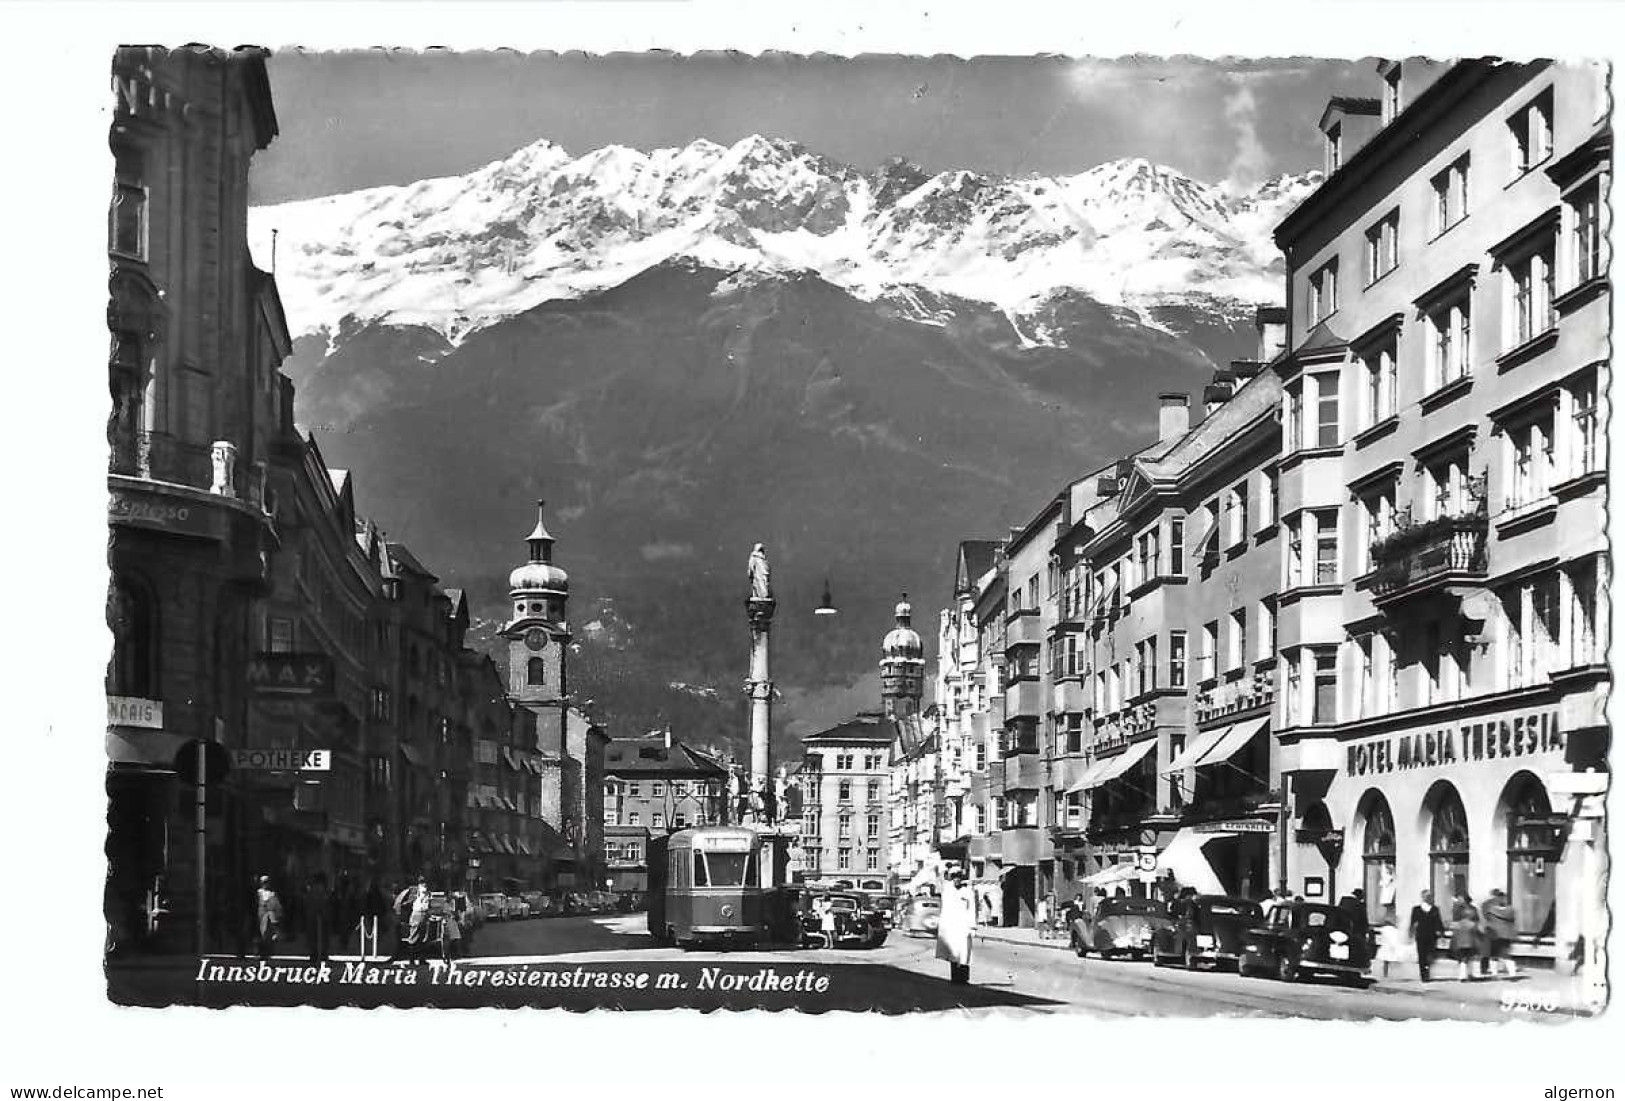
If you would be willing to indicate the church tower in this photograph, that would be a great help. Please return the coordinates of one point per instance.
(538, 635)
(902, 666)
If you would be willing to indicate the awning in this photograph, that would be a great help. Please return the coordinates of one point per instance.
(524, 846)
(152, 749)
(415, 755)
(1190, 866)
(1092, 776)
(534, 765)
(1071, 770)
(1117, 873)
(508, 758)
(508, 846)
(1113, 767)
(1216, 745)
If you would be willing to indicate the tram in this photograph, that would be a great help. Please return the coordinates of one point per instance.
(719, 885)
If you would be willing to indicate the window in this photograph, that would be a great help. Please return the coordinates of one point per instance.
(844, 860)
(1448, 846)
(1585, 234)
(1377, 507)
(1293, 421)
(1392, 103)
(873, 791)
(657, 820)
(633, 818)
(1446, 487)
(1294, 686)
(1210, 650)
(1238, 639)
(1294, 551)
(679, 788)
(1531, 130)
(981, 756)
(1235, 507)
(1266, 630)
(1364, 694)
(844, 760)
(1381, 381)
(1270, 505)
(1450, 195)
(535, 671)
(1323, 293)
(846, 827)
(1532, 625)
(1382, 247)
(1326, 558)
(1327, 409)
(678, 821)
(1531, 284)
(844, 793)
(871, 861)
(981, 817)
(1532, 848)
(1531, 461)
(1582, 399)
(1325, 697)
(1176, 530)
(1145, 666)
(657, 790)
(871, 826)
(632, 788)
(1585, 643)
(279, 635)
(1378, 853)
(127, 220)
(1176, 659)
(1334, 147)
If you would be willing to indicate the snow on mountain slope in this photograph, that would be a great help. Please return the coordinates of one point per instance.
(458, 253)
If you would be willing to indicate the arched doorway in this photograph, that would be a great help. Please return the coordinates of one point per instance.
(1447, 842)
(1378, 854)
(1532, 855)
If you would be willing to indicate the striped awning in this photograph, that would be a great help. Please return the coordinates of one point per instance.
(1216, 745)
(1109, 768)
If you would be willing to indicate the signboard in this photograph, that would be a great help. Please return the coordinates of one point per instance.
(1505, 736)
(149, 510)
(302, 675)
(1235, 825)
(1145, 860)
(134, 711)
(282, 760)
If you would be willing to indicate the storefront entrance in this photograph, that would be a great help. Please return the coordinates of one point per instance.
(1242, 863)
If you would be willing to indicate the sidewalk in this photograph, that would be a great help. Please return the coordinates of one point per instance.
(1531, 991)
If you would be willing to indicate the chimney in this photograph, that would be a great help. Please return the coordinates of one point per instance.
(668, 735)
(1174, 416)
(1270, 322)
(1217, 392)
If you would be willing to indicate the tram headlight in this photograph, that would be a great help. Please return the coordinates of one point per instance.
(727, 912)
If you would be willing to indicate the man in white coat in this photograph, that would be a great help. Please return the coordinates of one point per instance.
(954, 925)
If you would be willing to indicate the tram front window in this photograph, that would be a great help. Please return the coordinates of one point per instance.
(719, 869)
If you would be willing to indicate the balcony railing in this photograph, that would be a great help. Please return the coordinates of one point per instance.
(1422, 556)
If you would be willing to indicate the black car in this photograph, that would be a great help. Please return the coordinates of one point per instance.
(857, 924)
(1205, 929)
(1300, 939)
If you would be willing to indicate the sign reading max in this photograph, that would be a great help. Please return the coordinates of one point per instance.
(291, 674)
(1508, 736)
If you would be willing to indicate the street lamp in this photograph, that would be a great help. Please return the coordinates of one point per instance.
(827, 605)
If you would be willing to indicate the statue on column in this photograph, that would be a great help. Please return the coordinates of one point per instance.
(761, 587)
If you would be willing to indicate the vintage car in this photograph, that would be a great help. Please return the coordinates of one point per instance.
(919, 916)
(857, 924)
(1299, 939)
(1204, 929)
(1119, 926)
(495, 906)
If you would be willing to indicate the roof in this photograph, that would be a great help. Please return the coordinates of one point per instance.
(650, 756)
(1260, 395)
(975, 559)
(867, 727)
(405, 560)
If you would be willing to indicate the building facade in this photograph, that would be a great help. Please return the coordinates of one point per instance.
(196, 339)
(845, 772)
(1443, 679)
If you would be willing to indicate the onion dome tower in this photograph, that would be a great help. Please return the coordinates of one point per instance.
(902, 666)
(538, 633)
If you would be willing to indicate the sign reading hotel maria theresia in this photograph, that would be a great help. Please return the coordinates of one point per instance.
(1489, 739)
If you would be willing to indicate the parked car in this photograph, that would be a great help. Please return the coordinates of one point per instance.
(1119, 926)
(857, 924)
(495, 906)
(518, 908)
(1299, 939)
(1204, 929)
(468, 911)
(919, 916)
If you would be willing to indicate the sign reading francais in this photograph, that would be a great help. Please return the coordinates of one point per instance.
(1503, 736)
(132, 711)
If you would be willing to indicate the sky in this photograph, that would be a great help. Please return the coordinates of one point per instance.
(363, 118)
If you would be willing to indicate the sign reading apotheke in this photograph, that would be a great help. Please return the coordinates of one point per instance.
(1493, 738)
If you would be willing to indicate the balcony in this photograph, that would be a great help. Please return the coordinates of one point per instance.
(1022, 628)
(1429, 557)
(1024, 772)
(1024, 699)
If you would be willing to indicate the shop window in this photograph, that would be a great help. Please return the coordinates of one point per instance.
(1447, 845)
(132, 617)
(1532, 856)
(1377, 853)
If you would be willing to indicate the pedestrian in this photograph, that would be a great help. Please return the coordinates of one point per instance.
(954, 925)
(1427, 926)
(318, 910)
(1465, 935)
(412, 916)
(1276, 898)
(1041, 918)
(825, 909)
(1501, 925)
(1390, 941)
(267, 917)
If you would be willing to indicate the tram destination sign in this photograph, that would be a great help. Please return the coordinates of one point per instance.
(1497, 737)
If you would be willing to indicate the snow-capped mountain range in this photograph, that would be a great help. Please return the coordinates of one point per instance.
(459, 253)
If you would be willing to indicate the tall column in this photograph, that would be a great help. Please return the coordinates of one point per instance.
(759, 608)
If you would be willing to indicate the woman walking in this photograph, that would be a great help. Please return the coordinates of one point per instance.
(1465, 935)
(1390, 940)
